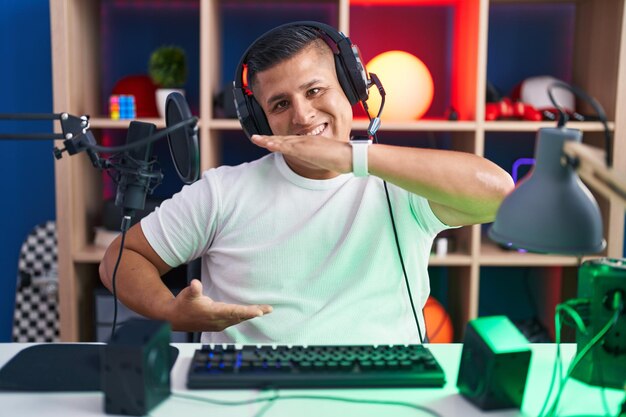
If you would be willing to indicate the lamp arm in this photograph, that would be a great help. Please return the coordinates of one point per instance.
(590, 166)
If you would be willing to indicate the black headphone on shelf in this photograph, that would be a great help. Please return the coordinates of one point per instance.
(351, 74)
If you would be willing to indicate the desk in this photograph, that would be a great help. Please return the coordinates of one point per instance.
(577, 398)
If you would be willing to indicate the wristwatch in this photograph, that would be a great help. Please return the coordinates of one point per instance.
(360, 144)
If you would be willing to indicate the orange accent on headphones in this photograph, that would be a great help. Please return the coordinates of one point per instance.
(244, 80)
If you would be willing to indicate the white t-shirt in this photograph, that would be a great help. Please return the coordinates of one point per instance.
(320, 252)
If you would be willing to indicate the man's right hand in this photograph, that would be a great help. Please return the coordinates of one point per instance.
(191, 311)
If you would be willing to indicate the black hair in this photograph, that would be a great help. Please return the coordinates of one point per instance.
(278, 46)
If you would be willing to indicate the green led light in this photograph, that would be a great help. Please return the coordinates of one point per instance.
(500, 334)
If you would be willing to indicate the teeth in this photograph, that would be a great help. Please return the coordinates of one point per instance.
(316, 131)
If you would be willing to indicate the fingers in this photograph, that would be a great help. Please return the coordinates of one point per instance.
(271, 143)
(205, 314)
(194, 289)
(196, 284)
(235, 313)
(266, 309)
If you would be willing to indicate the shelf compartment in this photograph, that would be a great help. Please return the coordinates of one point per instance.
(574, 41)
(131, 31)
(443, 34)
(528, 295)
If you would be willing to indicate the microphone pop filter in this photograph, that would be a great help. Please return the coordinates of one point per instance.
(183, 142)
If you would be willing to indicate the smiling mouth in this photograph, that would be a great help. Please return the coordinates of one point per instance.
(315, 132)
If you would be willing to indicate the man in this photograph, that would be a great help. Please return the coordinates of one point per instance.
(296, 231)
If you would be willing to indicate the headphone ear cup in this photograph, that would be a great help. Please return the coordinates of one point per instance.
(250, 114)
(263, 127)
(351, 72)
(345, 83)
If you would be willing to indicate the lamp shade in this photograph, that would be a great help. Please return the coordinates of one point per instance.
(551, 211)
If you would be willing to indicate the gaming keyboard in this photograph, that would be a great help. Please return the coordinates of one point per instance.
(249, 366)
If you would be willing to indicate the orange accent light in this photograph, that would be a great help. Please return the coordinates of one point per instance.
(244, 76)
(408, 85)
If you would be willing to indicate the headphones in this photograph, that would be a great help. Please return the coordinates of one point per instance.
(351, 74)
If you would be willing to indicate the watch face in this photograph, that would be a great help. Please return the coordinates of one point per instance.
(360, 139)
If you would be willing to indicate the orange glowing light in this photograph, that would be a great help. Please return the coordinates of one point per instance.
(407, 82)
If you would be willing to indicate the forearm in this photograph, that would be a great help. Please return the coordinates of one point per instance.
(461, 181)
(462, 188)
(138, 283)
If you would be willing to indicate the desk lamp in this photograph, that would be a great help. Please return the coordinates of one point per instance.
(553, 212)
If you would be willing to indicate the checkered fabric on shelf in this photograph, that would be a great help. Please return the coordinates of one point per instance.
(36, 316)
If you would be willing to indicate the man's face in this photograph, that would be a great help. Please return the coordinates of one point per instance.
(302, 96)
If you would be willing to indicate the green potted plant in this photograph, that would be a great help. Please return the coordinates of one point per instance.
(168, 70)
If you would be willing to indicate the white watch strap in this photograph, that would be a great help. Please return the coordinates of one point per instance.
(359, 157)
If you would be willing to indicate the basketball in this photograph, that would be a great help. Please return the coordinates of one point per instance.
(438, 324)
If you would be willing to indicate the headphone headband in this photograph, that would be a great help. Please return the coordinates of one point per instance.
(350, 70)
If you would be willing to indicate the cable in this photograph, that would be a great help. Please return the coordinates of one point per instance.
(578, 321)
(144, 141)
(557, 360)
(406, 279)
(276, 397)
(393, 222)
(596, 106)
(565, 307)
(124, 228)
(267, 406)
(583, 352)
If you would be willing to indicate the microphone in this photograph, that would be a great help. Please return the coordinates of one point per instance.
(138, 173)
(375, 122)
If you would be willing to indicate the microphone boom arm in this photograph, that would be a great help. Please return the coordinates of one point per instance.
(76, 135)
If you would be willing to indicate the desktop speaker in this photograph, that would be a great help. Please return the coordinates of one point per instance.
(600, 281)
(494, 364)
(135, 367)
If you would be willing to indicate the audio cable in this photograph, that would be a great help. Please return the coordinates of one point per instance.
(563, 117)
(372, 133)
(126, 220)
(271, 399)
